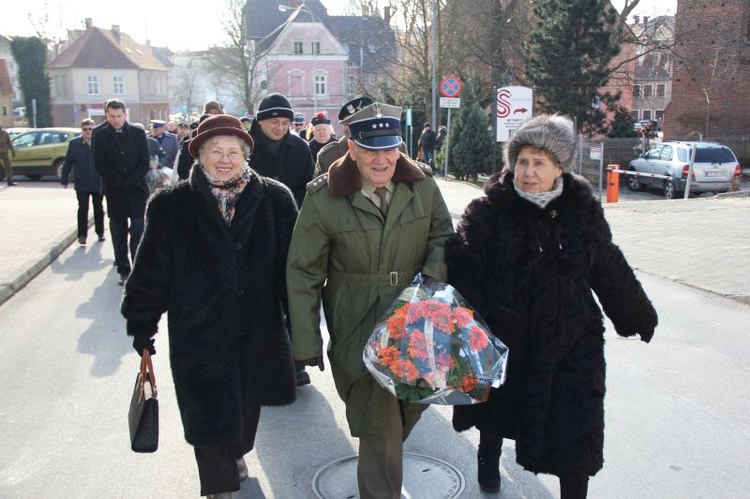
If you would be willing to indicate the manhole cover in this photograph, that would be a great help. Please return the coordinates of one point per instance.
(424, 477)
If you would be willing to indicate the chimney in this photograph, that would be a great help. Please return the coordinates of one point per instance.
(116, 32)
(88, 22)
(645, 20)
(387, 15)
(364, 11)
(637, 19)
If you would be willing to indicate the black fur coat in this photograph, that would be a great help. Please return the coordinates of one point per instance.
(224, 290)
(530, 273)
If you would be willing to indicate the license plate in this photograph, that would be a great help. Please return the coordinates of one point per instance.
(715, 173)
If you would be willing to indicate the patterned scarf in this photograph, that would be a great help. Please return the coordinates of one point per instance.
(541, 199)
(227, 192)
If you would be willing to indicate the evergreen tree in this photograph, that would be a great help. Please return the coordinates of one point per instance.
(472, 153)
(31, 55)
(569, 56)
(622, 125)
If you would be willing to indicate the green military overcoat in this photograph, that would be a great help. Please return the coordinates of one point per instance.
(346, 255)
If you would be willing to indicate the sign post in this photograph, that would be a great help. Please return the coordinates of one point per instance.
(450, 89)
(514, 106)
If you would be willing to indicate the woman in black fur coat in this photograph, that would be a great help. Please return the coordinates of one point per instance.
(527, 256)
(213, 256)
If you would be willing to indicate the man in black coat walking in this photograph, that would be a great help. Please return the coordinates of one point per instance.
(88, 183)
(281, 155)
(121, 157)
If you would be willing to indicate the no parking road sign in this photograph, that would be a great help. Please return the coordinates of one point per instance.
(450, 86)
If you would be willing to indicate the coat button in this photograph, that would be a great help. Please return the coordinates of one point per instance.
(238, 246)
(242, 292)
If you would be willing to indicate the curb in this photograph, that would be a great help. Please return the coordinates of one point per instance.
(7, 291)
(734, 194)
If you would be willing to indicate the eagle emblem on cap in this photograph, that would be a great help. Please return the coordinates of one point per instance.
(376, 108)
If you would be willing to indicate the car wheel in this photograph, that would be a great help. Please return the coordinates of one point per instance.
(669, 190)
(634, 184)
(33, 177)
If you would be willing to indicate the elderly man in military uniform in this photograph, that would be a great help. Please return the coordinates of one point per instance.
(167, 141)
(333, 151)
(365, 229)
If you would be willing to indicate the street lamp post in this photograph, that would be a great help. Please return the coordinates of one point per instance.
(303, 7)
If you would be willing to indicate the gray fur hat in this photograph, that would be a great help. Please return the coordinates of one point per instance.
(553, 133)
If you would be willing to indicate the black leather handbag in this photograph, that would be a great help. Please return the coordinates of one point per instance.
(143, 415)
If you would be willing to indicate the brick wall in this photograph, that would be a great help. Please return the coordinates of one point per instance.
(713, 61)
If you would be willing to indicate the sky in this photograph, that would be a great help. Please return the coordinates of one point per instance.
(166, 23)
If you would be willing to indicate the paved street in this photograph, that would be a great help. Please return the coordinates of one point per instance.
(677, 420)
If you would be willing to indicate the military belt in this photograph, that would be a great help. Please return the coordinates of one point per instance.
(394, 278)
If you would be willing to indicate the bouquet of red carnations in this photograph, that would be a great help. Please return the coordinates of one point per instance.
(432, 348)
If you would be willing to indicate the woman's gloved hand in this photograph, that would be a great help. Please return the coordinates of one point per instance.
(141, 341)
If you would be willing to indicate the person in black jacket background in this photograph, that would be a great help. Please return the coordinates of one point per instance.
(279, 154)
(122, 159)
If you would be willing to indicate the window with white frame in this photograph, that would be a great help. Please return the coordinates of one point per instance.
(321, 85)
(646, 113)
(659, 114)
(315, 48)
(648, 91)
(351, 84)
(661, 90)
(92, 85)
(298, 48)
(118, 85)
(636, 90)
(634, 114)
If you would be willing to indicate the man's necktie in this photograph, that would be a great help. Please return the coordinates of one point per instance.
(382, 193)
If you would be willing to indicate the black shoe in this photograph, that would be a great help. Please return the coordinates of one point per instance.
(302, 378)
(11, 183)
(488, 468)
(102, 238)
(82, 240)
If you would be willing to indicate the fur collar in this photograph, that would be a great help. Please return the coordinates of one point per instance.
(344, 177)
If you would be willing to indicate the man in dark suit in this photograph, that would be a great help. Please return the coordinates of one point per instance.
(121, 157)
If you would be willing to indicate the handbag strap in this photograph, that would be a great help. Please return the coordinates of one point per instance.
(147, 366)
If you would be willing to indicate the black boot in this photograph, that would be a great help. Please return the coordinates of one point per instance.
(488, 463)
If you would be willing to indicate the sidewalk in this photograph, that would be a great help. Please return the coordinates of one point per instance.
(702, 242)
(39, 222)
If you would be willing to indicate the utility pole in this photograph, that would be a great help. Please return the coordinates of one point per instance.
(434, 64)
